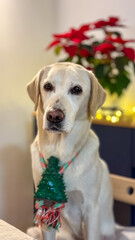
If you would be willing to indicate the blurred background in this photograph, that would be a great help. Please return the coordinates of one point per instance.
(26, 28)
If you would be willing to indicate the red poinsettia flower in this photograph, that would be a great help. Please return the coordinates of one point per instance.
(78, 36)
(74, 35)
(105, 48)
(118, 40)
(71, 50)
(130, 53)
(112, 21)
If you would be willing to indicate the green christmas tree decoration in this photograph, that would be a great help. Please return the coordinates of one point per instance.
(51, 187)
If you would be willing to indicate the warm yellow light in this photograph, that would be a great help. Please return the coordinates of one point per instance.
(108, 117)
(99, 116)
(133, 109)
(114, 119)
(106, 113)
(118, 113)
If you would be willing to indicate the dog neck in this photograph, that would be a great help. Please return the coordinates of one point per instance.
(62, 145)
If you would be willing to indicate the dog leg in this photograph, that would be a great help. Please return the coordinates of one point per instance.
(36, 165)
(91, 228)
(49, 235)
(64, 235)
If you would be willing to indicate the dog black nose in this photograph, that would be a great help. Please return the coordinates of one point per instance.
(55, 116)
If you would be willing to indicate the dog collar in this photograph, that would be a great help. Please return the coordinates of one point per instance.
(64, 166)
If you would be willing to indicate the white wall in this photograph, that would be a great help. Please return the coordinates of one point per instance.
(25, 29)
(73, 13)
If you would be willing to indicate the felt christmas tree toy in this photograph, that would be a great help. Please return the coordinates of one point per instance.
(50, 195)
(51, 186)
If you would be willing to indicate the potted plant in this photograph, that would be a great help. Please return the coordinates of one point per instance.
(107, 55)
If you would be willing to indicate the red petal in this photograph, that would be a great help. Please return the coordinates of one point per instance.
(130, 53)
(105, 47)
(77, 40)
(116, 40)
(113, 20)
(100, 24)
(84, 28)
(119, 40)
(84, 52)
(78, 36)
(55, 42)
(63, 35)
(71, 50)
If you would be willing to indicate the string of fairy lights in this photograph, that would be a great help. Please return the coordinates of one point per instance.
(115, 115)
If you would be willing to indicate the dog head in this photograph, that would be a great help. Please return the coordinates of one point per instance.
(65, 92)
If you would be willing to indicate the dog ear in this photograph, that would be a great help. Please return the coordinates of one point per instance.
(97, 95)
(33, 87)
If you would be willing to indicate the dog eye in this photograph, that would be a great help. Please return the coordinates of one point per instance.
(77, 90)
(48, 87)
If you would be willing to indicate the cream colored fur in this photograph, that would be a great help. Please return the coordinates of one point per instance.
(88, 213)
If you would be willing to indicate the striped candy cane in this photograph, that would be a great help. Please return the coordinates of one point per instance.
(65, 165)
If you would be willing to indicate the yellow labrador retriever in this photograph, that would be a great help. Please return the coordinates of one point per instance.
(66, 95)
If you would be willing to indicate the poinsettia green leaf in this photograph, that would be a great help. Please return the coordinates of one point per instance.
(94, 61)
(117, 33)
(115, 84)
(122, 80)
(57, 50)
(91, 59)
(85, 46)
(121, 62)
(96, 43)
(134, 67)
(99, 71)
(107, 84)
(79, 60)
(102, 70)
